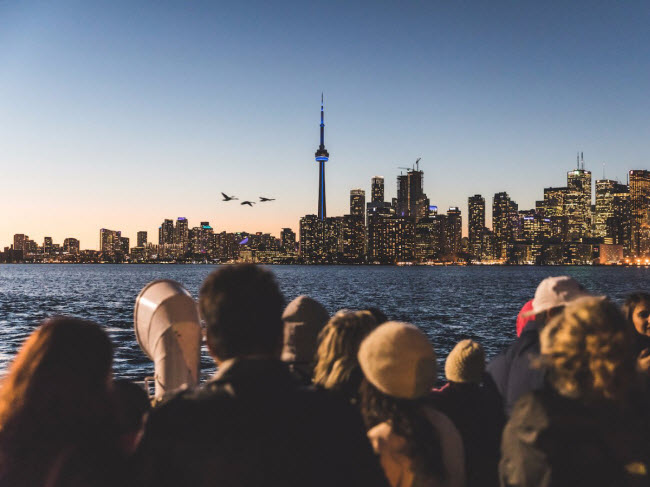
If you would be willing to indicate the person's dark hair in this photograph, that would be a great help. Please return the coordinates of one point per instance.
(631, 302)
(57, 390)
(242, 307)
(406, 417)
(379, 316)
(132, 403)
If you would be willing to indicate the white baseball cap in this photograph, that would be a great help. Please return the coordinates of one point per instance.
(553, 292)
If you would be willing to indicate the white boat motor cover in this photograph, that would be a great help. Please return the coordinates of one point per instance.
(168, 329)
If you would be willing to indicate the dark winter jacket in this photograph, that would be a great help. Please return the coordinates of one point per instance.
(253, 425)
(480, 422)
(554, 441)
(512, 372)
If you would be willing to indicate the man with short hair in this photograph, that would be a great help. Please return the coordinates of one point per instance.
(512, 373)
(253, 424)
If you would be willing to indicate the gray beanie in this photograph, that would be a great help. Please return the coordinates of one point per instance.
(303, 318)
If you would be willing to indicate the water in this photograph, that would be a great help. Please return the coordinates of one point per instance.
(448, 303)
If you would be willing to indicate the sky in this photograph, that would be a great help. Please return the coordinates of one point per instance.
(119, 114)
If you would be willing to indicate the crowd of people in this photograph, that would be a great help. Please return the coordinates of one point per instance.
(301, 398)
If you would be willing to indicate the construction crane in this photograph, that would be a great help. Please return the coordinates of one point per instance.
(416, 165)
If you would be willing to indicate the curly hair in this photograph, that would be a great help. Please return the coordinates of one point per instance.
(406, 417)
(339, 345)
(587, 350)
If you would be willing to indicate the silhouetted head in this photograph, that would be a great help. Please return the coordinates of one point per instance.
(58, 386)
(242, 307)
(303, 318)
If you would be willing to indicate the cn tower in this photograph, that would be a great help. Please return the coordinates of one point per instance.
(322, 156)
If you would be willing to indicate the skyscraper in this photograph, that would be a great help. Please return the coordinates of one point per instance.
(110, 241)
(181, 234)
(605, 191)
(322, 156)
(454, 230)
(71, 245)
(639, 209)
(353, 239)
(124, 245)
(311, 238)
(554, 201)
(166, 232)
(288, 240)
(377, 189)
(618, 225)
(201, 239)
(430, 238)
(411, 200)
(19, 241)
(577, 204)
(378, 214)
(142, 239)
(357, 202)
(476, 222)
(504, 218)
(47, 245)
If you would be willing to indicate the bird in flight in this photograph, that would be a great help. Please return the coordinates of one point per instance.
(249, 203)
(227, 198)
(263, 199)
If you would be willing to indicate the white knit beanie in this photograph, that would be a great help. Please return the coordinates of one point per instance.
(466, 362)
(398, 359)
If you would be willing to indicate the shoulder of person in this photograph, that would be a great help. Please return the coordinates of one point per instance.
(182, 405)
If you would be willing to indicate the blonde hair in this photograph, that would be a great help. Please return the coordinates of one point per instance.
(339, 345)
(587, 350)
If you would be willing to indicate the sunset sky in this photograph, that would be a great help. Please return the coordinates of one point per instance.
(121, 114)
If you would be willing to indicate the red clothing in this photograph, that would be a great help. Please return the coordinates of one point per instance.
(521, 319)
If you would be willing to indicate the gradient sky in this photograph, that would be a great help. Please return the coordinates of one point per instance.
(120, 114)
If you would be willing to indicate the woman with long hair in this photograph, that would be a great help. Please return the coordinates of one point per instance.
(589, 425)
(417, 445)
(56, 421)
(337, 367)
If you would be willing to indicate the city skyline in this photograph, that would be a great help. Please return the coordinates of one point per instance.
(115, 115)
(585, 203)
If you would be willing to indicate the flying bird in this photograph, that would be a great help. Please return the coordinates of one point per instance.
(263, 199)
(227, 198)
(249, 203)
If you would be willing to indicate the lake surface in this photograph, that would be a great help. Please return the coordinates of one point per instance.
(448, 303)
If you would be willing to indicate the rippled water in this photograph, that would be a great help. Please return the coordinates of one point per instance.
(448, 303)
